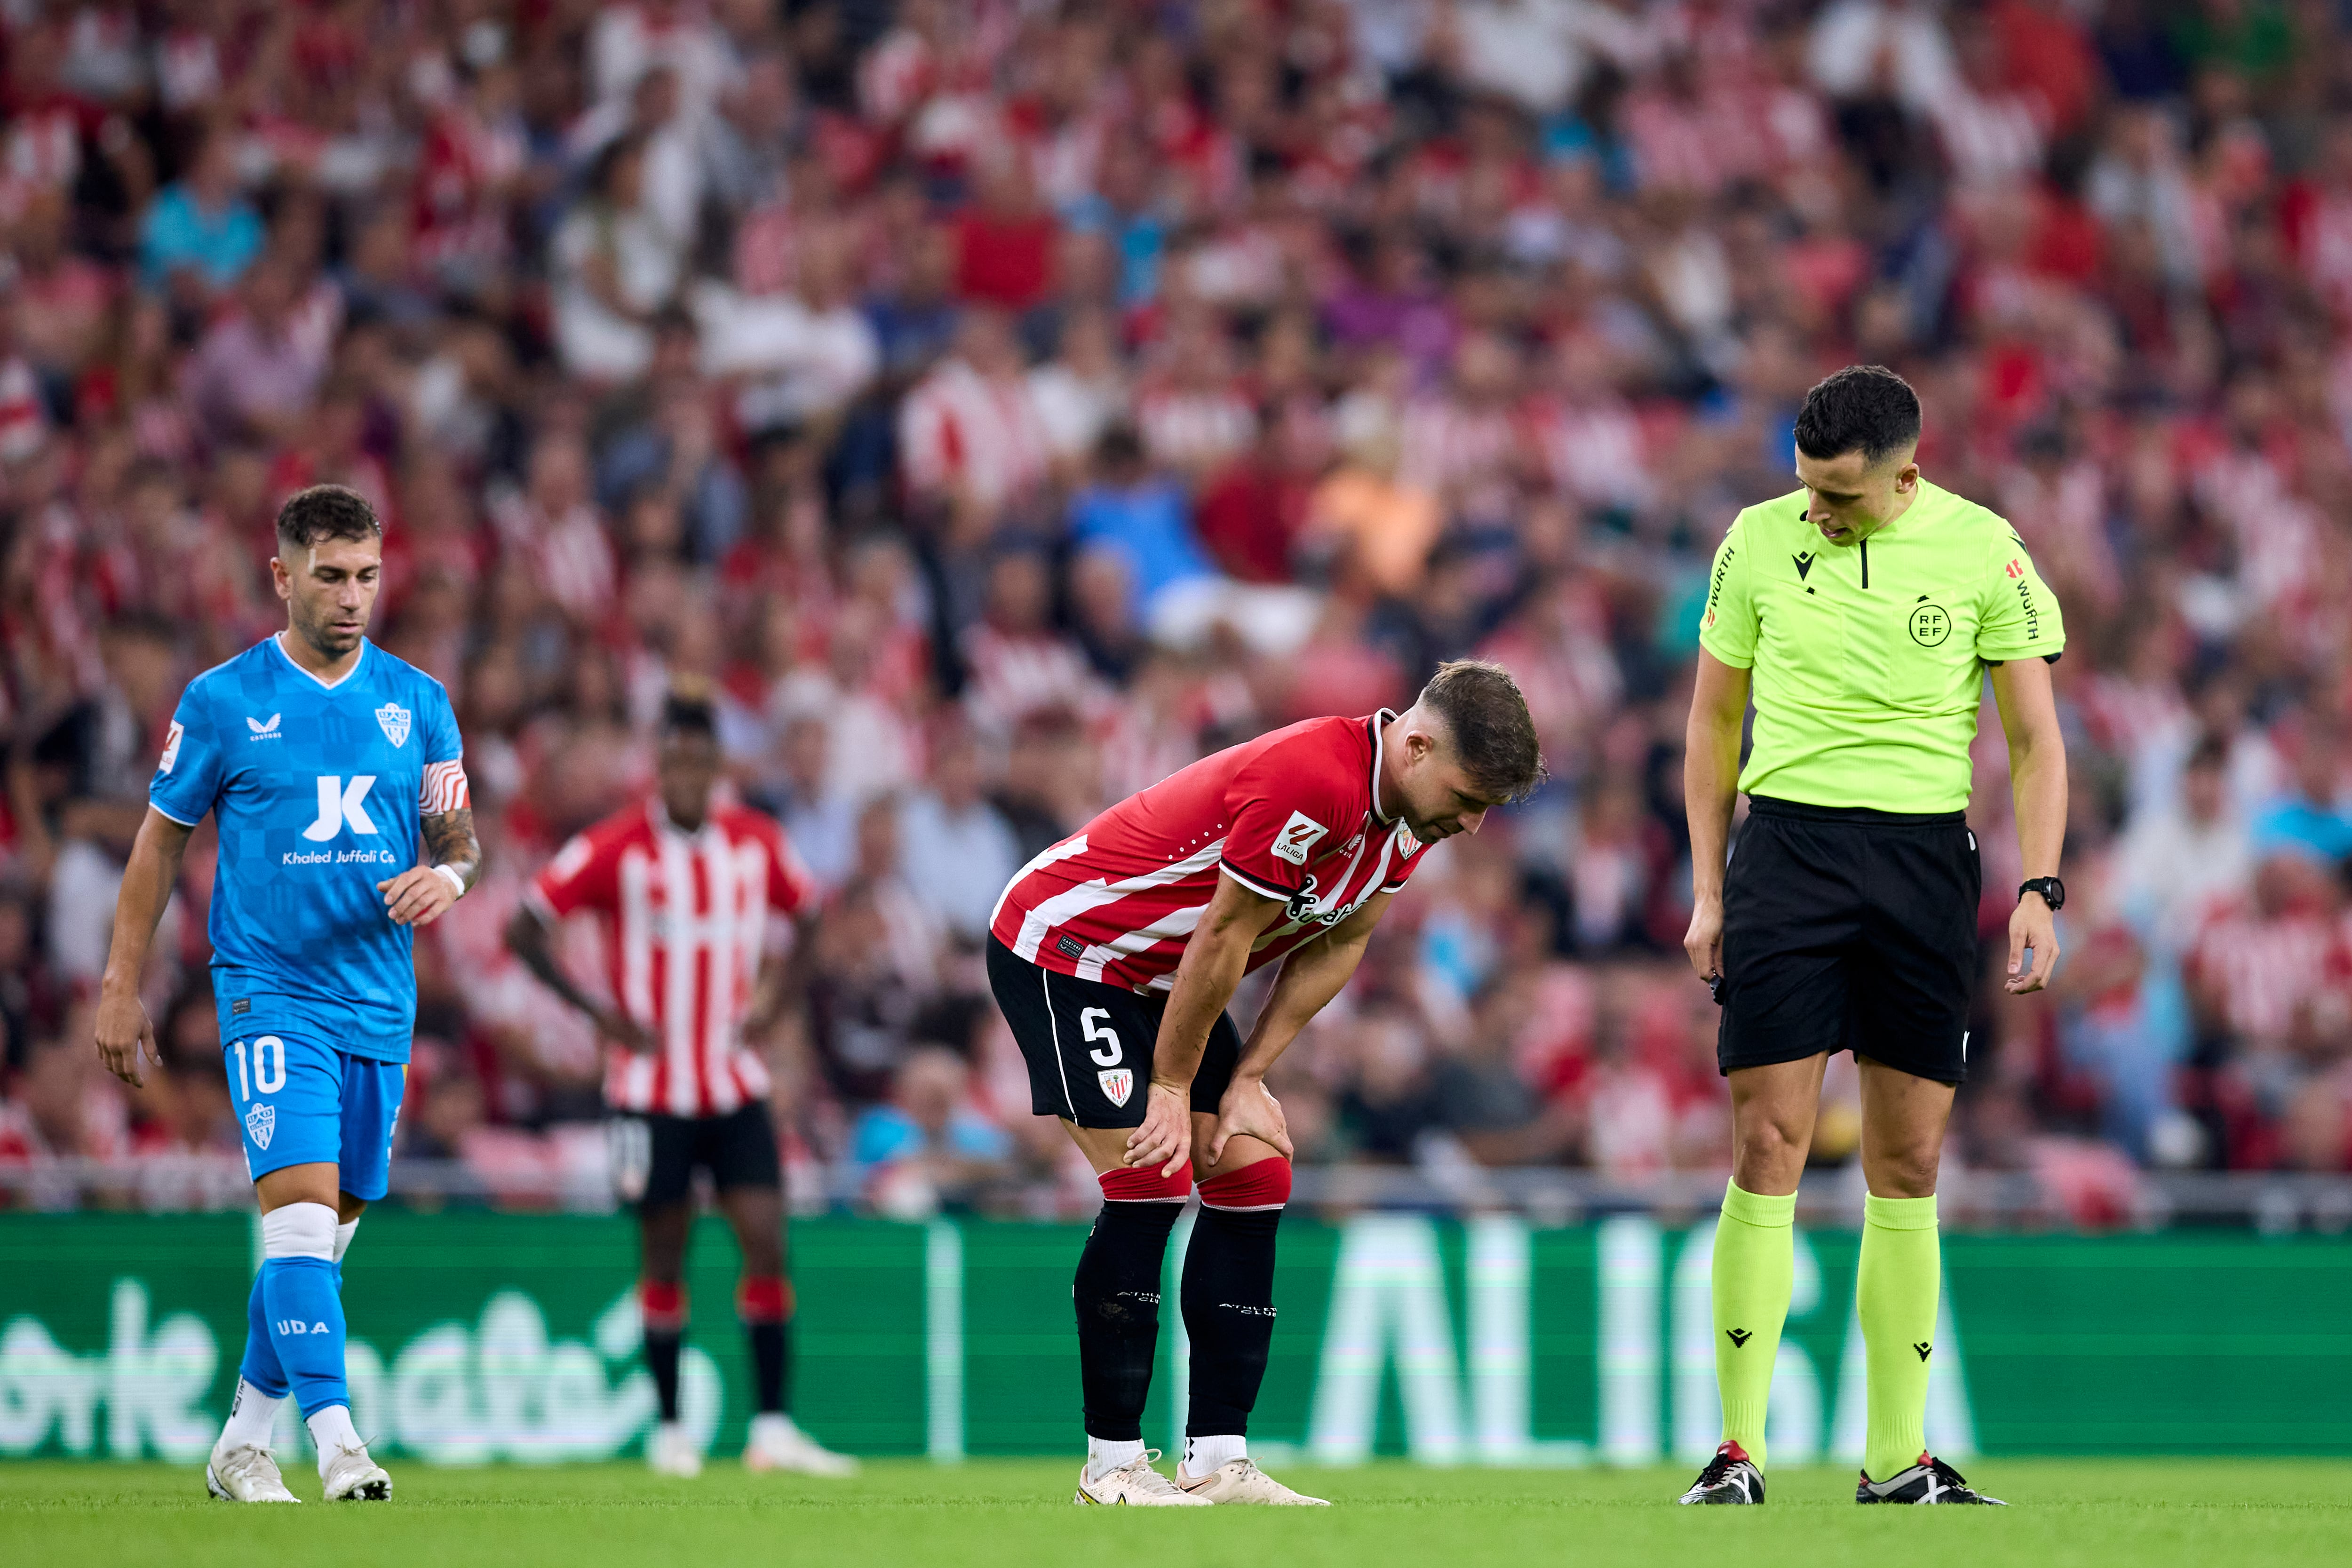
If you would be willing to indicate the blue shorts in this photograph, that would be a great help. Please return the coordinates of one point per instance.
(302, 1102)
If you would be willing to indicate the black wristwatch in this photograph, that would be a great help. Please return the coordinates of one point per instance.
(2053, 890)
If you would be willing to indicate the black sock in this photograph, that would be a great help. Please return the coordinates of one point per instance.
(1118, 1294)
(1228, 1297)
(661, 1360)
(772, 1364)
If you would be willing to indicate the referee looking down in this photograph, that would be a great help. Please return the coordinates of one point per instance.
(1859, 612)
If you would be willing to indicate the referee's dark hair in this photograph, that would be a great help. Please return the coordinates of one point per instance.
(321, 512)
(1494, 734)
(688, 712)
(1863, 406)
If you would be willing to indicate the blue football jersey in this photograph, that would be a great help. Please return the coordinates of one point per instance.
(317, 791)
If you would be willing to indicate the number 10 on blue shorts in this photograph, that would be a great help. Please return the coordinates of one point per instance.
(302, 1103)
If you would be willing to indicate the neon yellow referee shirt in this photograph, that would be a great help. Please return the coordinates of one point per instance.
(1869, 657)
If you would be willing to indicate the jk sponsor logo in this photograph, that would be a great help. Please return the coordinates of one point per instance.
(342, 806)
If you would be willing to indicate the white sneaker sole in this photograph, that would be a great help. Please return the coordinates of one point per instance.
(377, 1489)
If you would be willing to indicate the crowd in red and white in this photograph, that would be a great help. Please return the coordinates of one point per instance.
(998, 403)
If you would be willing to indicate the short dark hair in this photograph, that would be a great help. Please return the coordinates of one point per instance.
(1865, 407)
(321, 512)
(1494, 734)
(688, 713)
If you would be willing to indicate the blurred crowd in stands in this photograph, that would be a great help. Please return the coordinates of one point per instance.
(1003, 402)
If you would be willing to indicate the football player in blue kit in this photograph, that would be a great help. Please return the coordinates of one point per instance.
(335, 775)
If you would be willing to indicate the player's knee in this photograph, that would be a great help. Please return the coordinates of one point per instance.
(1145, 1184)
(1262, 1184)
(1903, 1172)
(1770, 1143)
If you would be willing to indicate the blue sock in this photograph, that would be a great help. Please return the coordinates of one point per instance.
(260, 1366)
(306, 1326)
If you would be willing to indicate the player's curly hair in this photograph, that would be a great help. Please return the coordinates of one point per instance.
(321, 512)
(1494, 734)
(1863, 406)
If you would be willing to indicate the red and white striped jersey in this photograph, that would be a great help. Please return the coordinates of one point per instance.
(687, 919)
(1294, 815)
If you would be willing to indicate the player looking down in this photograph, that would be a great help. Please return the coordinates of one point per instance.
(1113, 955)
(323, 761)
(689, 890)
(1863, 610)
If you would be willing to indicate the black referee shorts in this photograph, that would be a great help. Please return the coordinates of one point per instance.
(1849, 929)
(1088, 1044)
(655, 1157)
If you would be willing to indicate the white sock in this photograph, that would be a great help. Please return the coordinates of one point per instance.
(343, 1237)
(1103, 1455)
(331, 1430)
(1203, 1455)
(299, 1230)
(251, 1414)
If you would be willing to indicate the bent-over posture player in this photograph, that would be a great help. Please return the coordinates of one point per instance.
(1113, 955)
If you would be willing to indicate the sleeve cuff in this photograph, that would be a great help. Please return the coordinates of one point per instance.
(1263, 890)
(167, 817)
(1737, 660)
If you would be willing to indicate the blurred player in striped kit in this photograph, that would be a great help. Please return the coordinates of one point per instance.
(691, 893)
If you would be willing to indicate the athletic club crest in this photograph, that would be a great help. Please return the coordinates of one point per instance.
(394, 720)
(1117, 1084)
(261, 1121)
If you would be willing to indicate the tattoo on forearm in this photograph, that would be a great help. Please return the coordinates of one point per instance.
(449, 840)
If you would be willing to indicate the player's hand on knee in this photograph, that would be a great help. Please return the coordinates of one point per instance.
(1165, 1139)
(1250, 1109)
(124, 1033)
(1704, 941)
(417, 897)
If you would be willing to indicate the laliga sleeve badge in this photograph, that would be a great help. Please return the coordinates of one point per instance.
(1297, 838)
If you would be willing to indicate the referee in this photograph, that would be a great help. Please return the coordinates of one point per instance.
(1859, 612)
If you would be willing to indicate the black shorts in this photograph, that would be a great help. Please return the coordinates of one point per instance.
(1847, 930)
(1088, 1044)
(655, 1157)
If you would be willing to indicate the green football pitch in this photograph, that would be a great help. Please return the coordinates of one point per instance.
(2145, 1514)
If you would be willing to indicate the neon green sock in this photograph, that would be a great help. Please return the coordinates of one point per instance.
(1895, 1293)
(1755, 1266)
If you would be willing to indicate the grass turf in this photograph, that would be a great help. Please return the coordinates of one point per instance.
(2143, 1514)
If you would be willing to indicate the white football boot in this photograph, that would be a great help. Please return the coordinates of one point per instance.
(1240, 1481)
(671, 1451)
(246, 1473)
(777, 1443)
(1135, 1485)
(350, 1476)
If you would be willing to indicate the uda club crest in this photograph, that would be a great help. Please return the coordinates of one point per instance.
(1117, 1084)
(261, 1121)
(394, 720)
